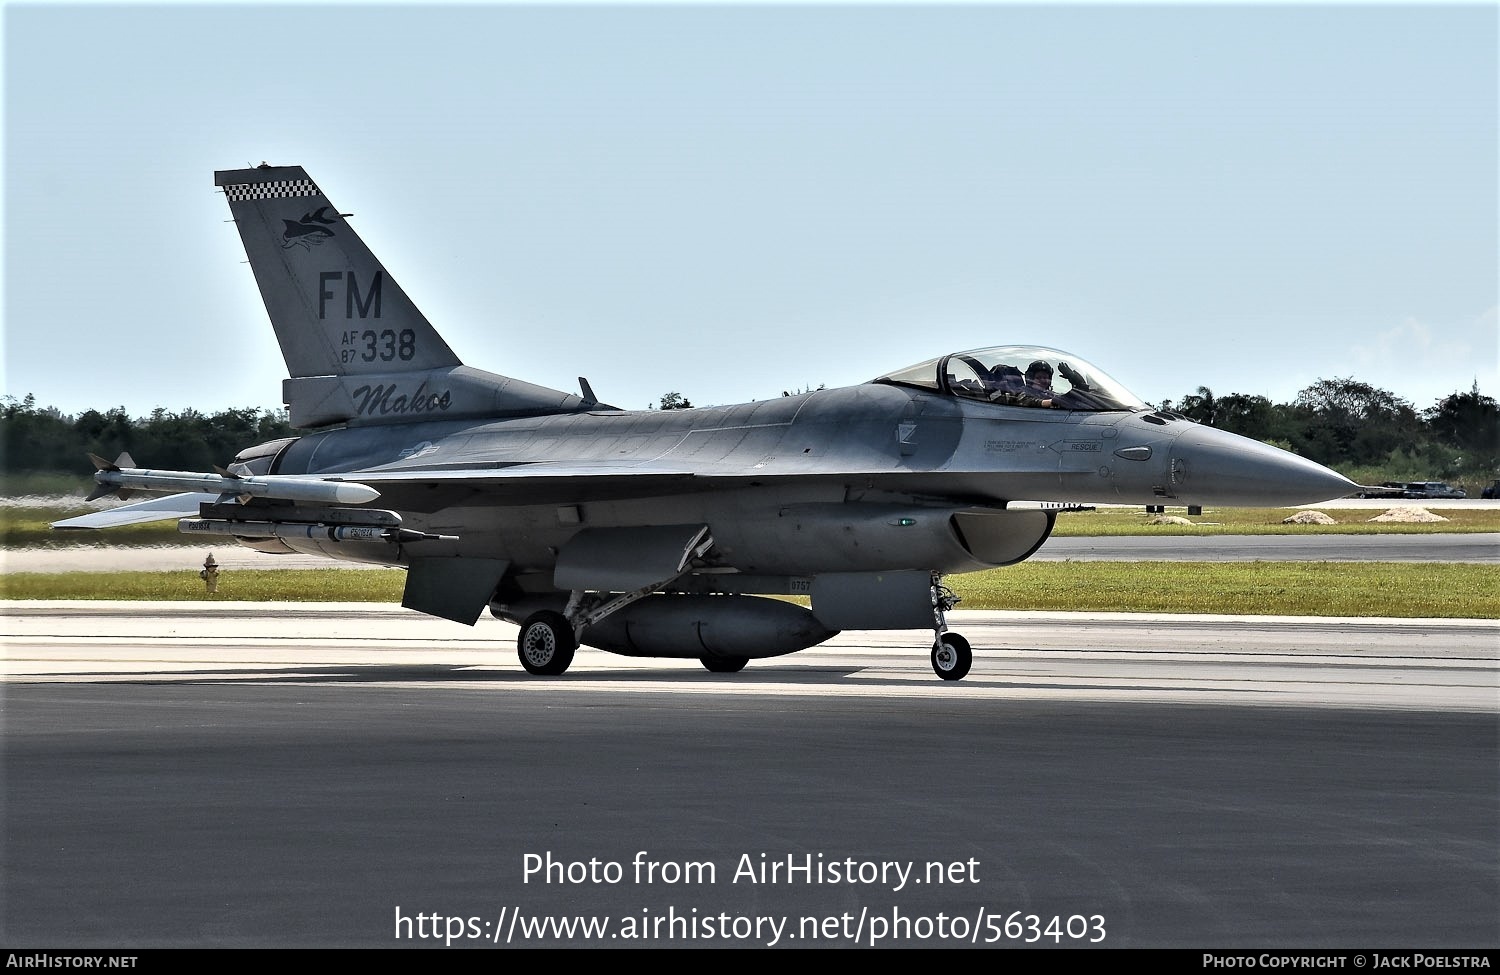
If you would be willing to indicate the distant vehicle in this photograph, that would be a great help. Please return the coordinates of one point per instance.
(1431, 489)
(1491, 492)
(1387, 489)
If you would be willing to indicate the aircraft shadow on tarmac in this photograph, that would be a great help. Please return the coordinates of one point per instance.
(449, 674)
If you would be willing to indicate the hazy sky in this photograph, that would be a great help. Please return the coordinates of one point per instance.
(730, 201)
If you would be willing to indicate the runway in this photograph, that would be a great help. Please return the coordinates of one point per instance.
(1403, 663)
(303, 775)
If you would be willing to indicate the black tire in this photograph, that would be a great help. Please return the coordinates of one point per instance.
(724, 665)
(545, 644)
(951, 657)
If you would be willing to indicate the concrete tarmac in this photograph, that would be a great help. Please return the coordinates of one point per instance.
(319, 776)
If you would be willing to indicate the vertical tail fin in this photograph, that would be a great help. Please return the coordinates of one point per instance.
(357, 349)
(336, 310)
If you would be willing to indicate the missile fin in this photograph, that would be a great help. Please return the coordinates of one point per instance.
(104, 489)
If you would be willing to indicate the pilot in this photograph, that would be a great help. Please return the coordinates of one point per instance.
(1004, 377)
(1013, 389)
(1039, 378)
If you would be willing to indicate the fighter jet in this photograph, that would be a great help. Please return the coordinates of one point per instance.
(663, 533)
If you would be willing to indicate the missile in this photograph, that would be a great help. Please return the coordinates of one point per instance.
(118, 478)
(317, 532)
(233, 511)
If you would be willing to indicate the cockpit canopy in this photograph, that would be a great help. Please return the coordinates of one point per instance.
(1020, 375)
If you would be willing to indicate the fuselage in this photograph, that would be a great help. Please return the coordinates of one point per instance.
(862, 478)
(651, 532)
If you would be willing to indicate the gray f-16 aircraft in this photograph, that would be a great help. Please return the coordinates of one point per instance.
(661, 533)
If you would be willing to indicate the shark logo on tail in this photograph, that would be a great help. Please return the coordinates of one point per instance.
(308, 232)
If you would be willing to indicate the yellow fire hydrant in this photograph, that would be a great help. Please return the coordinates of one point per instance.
(210, 573)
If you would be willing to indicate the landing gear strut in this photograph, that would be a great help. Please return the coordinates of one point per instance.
(951, 656)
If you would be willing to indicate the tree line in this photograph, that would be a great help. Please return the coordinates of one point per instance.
(43, 439)
(1366, 433)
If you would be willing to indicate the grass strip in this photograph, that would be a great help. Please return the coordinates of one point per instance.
(252, 585)
(30, 527)
(1374, 589)
(1268, 521)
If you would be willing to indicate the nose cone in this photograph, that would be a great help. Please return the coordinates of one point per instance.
(1211, 466)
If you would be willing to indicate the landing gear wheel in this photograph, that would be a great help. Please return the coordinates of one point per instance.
(951, 657)
(724, 665)
(546, 644)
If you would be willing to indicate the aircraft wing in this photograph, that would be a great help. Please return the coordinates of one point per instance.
(539, 472)
(416, 488)
(428, 489)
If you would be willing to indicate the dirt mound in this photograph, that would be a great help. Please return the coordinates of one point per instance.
(1409, 514)
(1169, 520)
(1309, 518)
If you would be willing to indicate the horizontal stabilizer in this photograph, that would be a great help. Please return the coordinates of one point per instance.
(157, 509)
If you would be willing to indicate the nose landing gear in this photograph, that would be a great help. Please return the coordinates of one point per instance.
(951, 656)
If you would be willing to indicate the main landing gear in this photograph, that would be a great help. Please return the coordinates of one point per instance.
(546, 644)
(548, 639)
(951, 656)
